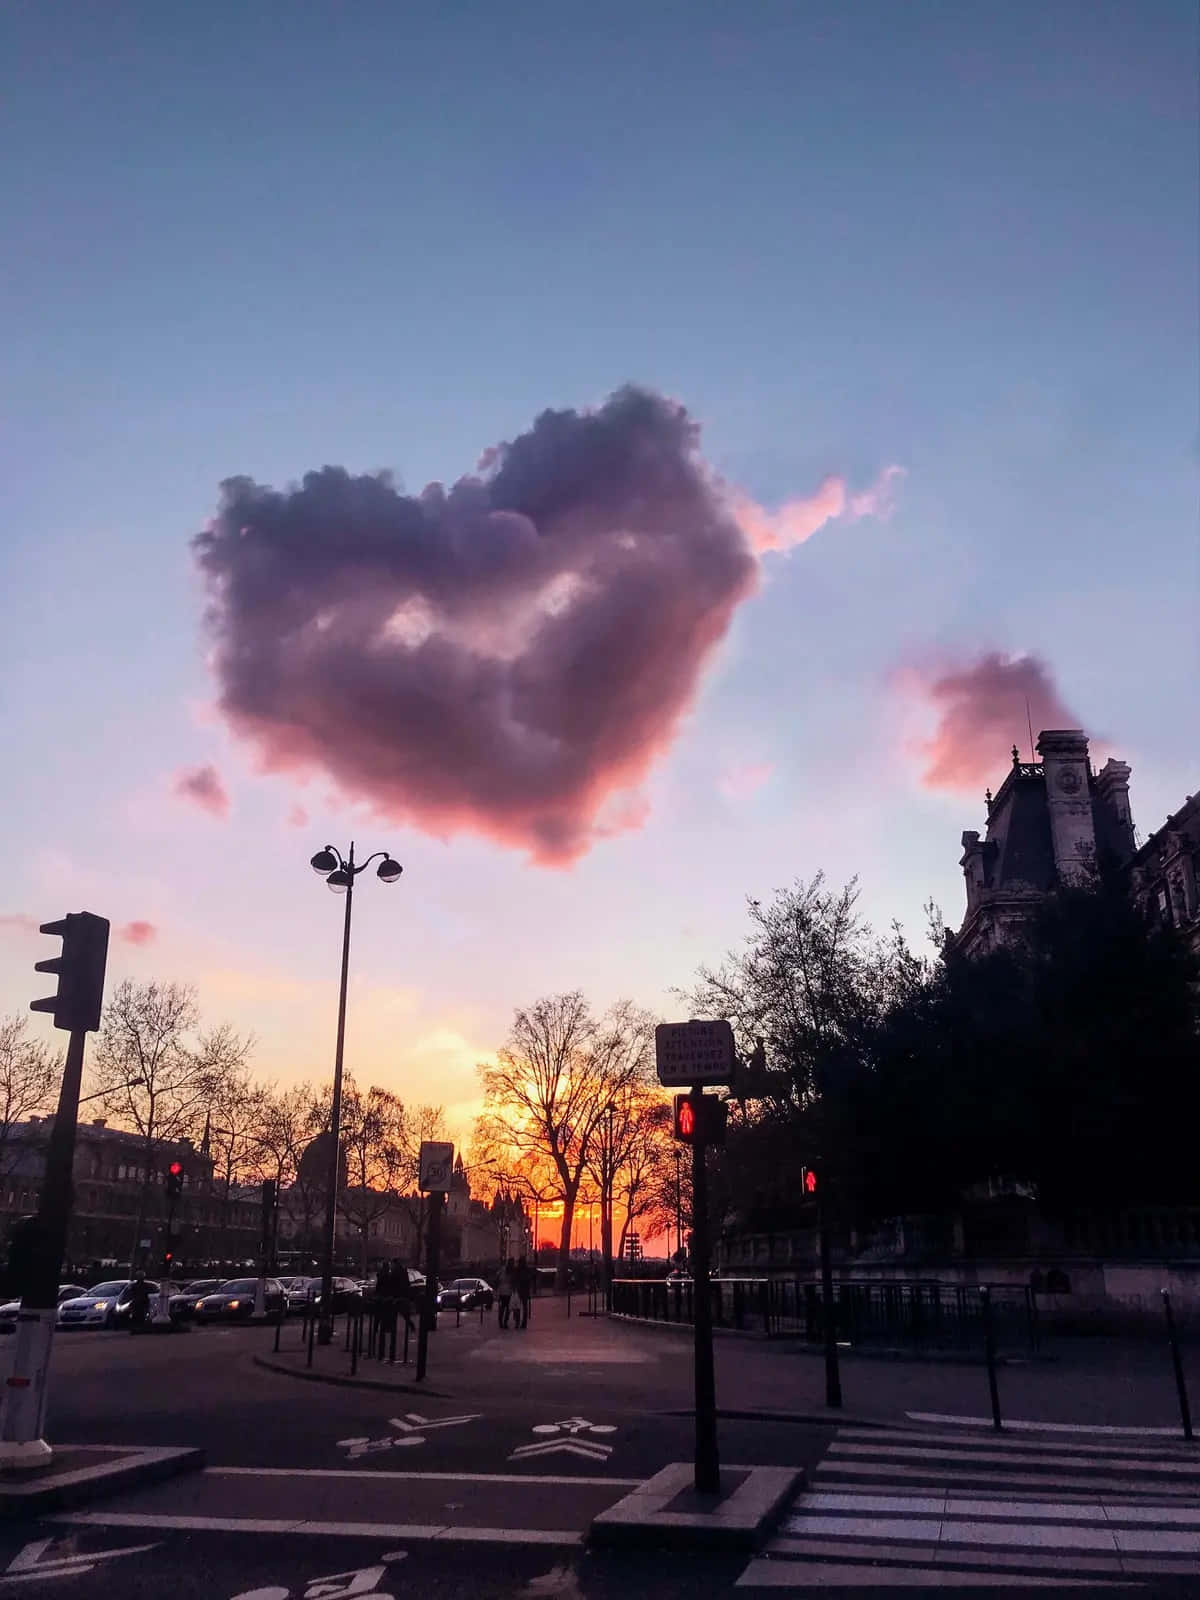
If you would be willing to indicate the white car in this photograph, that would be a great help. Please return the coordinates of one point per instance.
(8, 1311)
(102, 1307)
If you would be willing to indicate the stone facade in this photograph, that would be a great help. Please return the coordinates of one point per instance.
(1052, 822)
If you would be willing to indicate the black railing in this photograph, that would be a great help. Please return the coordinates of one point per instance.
(919, 1313)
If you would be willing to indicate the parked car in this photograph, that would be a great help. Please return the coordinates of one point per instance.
(466, 1294)
(105, 1306)
(297, 1292)
(183, 1302)
(8, 1311)
(235, 1299)
(347, 1296)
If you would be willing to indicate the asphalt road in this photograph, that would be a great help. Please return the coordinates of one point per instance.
(484, 1483)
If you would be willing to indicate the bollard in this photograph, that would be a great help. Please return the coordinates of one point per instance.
(458, 1311)
(407, 1331)
(279, 1324)
(353, 1340)
(312, 1328)
(989, 1346)
(1185, 1411)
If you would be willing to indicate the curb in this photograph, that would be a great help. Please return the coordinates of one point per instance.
(341, 1381)
(51, 1492)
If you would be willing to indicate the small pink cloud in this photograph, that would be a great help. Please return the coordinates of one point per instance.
(797, 520)
(983, 707)
(297, 817)
(204, 788)
(138, 932)
(18, 922)
(738, 783)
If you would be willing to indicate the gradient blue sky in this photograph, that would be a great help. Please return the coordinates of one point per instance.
(260, 238)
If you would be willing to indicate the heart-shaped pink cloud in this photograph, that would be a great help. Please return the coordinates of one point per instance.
(509, 656)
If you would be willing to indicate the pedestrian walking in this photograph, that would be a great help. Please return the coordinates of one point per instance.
(139, 1304)
(524, 1285)
(505, 1284)
(403, 1293)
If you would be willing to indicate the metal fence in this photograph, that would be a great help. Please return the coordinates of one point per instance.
(917, 1313)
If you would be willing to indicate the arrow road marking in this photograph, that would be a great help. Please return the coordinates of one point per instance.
(412, 1421)
(589, 1449)
(28, 1563)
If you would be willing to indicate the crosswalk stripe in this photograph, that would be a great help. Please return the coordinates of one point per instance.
(1025, 1480)
(900, 1508)
(1024, 1458)
(962, 1440)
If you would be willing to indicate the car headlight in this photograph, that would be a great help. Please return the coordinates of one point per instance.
(234, 1304)
(100, 1305)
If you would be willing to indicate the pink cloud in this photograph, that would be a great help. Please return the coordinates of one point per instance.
(510, 654)
(797, 520)
(739, 782)
(202, 786)
(18, 922)
(297, 817)
(138, 932)
(981, 709)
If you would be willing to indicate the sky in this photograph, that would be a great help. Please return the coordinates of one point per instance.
(868, 335)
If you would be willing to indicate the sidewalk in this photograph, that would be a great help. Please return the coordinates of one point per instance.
(1081, 1382)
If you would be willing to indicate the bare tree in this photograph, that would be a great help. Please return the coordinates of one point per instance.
(425, 1123)
(375, 1141)
(235, 1120)
(29, 1074)
(552, 1082)
(290, 1120)
(149, 1074)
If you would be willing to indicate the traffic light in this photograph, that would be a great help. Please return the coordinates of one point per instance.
(175, 1180)
(80, 969)
(168, 1262)
(808, 1182)
(700, 1119)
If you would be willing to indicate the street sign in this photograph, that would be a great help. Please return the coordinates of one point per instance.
(692, 1053)
(437, 1166)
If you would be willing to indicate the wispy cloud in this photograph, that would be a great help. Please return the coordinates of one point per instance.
(203, 787)
(18, 922)
(138, 932)
(739, 782)
(297, 817)
(797, 520)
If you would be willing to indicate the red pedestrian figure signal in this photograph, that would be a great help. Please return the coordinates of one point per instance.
(685, 1118)
(810, 1181)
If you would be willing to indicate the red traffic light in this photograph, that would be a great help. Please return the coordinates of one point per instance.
(685, 1118)
(176, 1169)
(810, 1181)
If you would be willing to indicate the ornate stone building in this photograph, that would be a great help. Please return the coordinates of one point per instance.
(1053, 822)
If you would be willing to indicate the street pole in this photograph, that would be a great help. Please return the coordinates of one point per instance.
(23, 1401)
(429, 1304)
(678, 1211)
(833, 1379)
(708, 1467)
(325, 1325)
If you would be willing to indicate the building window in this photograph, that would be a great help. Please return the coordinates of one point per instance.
(1164, 907)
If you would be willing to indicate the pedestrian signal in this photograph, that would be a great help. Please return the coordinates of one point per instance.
(700, 1119)
(808, 1182)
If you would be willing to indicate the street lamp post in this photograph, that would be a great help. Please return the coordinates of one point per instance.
(339, 873)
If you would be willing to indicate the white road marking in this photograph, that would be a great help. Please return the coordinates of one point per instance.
(586, 1448)
(940, 1418)
(29, 1563)
(574, 1425)
(335, 1530)
(420, 1477)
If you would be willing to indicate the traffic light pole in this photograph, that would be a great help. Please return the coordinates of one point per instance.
(833, 1377)
(429, 1298)
(23, 1401)
(708, 1466)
